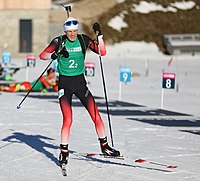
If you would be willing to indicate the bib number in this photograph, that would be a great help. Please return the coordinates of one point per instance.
(73, 64)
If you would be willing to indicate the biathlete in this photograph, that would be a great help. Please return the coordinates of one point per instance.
(46, 83)
(69, 49)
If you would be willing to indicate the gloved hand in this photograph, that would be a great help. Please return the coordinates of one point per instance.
(97, 29)
(64, 52)
(54, 56)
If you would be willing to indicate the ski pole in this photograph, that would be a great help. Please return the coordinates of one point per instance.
(19, 105)
(105, 92)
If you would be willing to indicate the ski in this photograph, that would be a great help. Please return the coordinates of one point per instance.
(135, 160)
(155, 163)
(64, 169)
(103, 155)
(96, 155)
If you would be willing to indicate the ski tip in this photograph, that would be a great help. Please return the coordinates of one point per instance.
(171, 166)
(18, 107)
(91, 154)
(140, 161)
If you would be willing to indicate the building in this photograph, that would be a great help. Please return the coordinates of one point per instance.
(25, 26)
(182, 43)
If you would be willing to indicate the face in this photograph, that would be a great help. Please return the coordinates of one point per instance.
(72, 34)
(51, 75)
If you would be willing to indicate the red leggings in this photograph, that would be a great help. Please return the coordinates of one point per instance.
(77, 85)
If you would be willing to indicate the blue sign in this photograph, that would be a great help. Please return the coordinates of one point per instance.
(6, 57)
(125, 74)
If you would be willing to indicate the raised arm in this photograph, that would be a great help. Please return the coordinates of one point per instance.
(93, 45)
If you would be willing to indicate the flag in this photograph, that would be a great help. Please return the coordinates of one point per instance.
(170, 62)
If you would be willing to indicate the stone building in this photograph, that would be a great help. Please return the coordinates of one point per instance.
(25, 26)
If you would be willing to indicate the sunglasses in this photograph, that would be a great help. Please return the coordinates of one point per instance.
(69, 23)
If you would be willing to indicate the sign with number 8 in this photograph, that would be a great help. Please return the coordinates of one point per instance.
(168, 80)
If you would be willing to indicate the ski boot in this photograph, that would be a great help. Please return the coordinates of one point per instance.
(106, 149)
(64, 155)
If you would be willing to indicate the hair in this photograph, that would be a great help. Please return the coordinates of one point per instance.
(50, 70)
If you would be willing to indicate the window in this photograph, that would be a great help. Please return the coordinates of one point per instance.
(25, 36)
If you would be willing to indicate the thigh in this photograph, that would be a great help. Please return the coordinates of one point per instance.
(65, 100)
(86, 99)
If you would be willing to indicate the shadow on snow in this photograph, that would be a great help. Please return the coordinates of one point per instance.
(36, 142)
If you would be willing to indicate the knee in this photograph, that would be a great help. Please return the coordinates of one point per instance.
(67, 123)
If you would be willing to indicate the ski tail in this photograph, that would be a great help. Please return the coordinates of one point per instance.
(155, 163)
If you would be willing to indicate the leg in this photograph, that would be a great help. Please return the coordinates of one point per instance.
(91, 106)
(89, 103)
(65, 105)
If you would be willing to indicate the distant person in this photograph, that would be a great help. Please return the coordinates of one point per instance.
(71, 70)
(7, 73)
(46, 83)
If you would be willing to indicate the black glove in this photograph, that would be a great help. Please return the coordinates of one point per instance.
(54, 56)
(64, 52)
(97, 29)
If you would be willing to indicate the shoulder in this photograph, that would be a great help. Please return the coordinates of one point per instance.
(85, 38)
(59, 38)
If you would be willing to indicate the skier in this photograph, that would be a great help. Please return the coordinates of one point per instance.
(46, 83)
(69, 49)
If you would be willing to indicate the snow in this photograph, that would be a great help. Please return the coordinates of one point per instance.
(120, 1)
(184, 5)
(30, 136)
(146, 7)
(117, 22)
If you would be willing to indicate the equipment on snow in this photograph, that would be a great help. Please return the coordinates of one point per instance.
(104, 88)
(19, 105)
(63, 158)
(155, 163)
(106, 149)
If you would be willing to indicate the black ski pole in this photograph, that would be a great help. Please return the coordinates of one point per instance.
(19, 105)
(105, 93)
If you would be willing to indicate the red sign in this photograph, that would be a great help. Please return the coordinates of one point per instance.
(89, 65)
(167, 75)
(30, 57)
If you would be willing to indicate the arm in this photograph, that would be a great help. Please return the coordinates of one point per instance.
(93, 45)
(46, 53)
